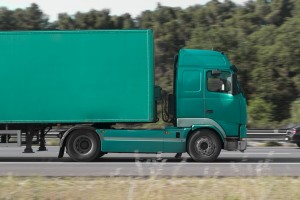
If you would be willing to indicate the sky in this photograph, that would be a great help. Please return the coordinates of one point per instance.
(116, 7)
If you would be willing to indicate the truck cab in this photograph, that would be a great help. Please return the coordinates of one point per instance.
(208, 97)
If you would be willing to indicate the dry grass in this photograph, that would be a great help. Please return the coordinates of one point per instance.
(115, 188)
(52, 141)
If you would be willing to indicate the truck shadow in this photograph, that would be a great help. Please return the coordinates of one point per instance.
(150, 160)
(189, 160)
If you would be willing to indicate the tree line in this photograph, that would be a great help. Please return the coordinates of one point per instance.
(261, 37)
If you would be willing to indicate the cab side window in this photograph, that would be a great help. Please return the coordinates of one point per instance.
(219, 82)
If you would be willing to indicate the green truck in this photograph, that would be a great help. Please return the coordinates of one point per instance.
(95, 80)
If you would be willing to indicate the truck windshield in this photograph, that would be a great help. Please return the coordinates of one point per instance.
(221, 82)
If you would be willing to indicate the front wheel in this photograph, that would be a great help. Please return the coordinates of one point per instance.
(204, 146)
(83, 145)
(298, 144)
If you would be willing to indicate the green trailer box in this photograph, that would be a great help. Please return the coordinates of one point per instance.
(76, 76)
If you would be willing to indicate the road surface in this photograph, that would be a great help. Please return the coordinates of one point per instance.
(263, 161)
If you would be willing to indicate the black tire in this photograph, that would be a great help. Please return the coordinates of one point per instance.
(298, 144)
(83, 145)
(204, 146)
(100, 154)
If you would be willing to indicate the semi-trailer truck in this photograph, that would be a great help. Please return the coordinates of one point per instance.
(95, 80)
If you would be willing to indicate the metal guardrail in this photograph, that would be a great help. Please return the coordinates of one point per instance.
(266, 134)
(7, 133)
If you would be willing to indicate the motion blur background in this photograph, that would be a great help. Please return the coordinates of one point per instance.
(260, 37)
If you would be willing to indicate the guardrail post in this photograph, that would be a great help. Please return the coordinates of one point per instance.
(6, 135)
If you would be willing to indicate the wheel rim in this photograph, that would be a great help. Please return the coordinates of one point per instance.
(82, 145)
(205, 146)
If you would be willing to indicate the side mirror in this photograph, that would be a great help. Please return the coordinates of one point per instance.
(235, 86)
(234, 68)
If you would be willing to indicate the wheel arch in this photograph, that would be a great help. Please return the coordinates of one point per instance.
(219, 132)
(196, 128)
(62, 144)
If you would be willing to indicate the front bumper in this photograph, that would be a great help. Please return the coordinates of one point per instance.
(242, 145)
(293, 138)
(235, 145)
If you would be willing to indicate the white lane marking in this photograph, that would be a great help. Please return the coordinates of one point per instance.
(268, 153)
(142, 163)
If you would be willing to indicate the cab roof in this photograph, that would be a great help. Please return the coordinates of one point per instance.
(203, 58)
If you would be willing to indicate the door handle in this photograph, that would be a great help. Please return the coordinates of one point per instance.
(209, 111)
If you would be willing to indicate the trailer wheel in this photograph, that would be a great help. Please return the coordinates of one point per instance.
(83, 145)
(204, 146)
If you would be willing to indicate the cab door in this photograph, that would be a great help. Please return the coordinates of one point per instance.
(221, 105)
(190, 102)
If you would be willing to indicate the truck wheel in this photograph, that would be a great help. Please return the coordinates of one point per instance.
(100, 154)
(298, 144)
(204, 146)
(83, 145)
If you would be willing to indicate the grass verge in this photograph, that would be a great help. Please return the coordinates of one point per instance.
(130, 188)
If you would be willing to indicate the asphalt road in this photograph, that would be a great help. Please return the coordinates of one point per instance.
(264, 161)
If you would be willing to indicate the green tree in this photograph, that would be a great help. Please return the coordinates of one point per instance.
(31, 18)
(6, 22)
(280, 10)
(124, 21)
(296, 8)
(260, 113)
(217, 12)
(262, 9)
(65, 22)
(295, 112)
(93, 20)
(169, 33)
